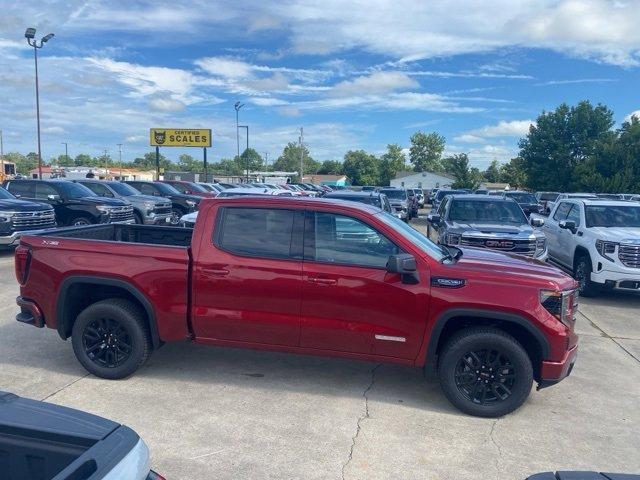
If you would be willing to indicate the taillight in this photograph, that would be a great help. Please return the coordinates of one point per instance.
(22, 262)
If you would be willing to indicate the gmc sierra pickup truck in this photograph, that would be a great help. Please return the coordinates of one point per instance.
(303, 275)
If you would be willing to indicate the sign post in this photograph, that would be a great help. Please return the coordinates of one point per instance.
(205, 164)
(176, 137)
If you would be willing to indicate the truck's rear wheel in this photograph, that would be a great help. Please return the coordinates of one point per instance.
(176, 214)
(485, 372)
(110, 338)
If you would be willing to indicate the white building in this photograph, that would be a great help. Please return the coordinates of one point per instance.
(423, 180)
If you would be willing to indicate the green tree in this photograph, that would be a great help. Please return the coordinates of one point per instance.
(186, 163)
(514, 173)
(23, 163)
(466, 177)
(492, 173)
(148, 162)
(391, 162)
(361, 167)
(426, 151)
(250, 158)
(227, 166)
(562, 142)
(289, 160)
(331, 167)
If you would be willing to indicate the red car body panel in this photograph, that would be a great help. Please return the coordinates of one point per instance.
(216, 297)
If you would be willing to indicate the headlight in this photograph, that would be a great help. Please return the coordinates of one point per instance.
(452, 239)
(149, 205)
(104, 209)
(5, 216)
(562, 305)
(605, 249)
(541, 246)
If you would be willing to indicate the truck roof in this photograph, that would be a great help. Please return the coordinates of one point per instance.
(283, 201)
(604, 201)
(481, 198)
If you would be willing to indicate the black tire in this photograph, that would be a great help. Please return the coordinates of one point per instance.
(138, 218)
(80, 221)
(582, 273)
(503, 372)
(176, 213)
(110, 338)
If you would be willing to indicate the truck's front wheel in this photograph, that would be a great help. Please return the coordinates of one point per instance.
(110, 338)
(582, 274)
(485, 372)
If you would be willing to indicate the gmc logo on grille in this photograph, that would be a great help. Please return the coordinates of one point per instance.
(499, 244)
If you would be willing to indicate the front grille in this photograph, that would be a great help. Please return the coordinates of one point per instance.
(629, 255)
(162, 209)
(521, 247)
(121, 214)
(33, 220)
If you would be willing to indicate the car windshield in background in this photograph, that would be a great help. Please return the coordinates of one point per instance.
(367, 200)
(549, 197)
(612, 216)
(123, 189)
(522, 197)
(395, 194)
(75, 190)
(166, 189)
(413, 235)
(5, 195)
(443, 193)
(471, 211)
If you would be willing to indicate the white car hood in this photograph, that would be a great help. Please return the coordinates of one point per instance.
(617, 234)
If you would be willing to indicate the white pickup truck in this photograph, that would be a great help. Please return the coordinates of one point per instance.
(598, 241)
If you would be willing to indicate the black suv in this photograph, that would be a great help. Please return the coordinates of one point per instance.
(527, 201)
(181, 203)
(485, 221)
(19, 216)
(74, 204)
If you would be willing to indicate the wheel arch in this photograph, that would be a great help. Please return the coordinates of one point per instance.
(451, 321)
(78, 292)
(579, 252)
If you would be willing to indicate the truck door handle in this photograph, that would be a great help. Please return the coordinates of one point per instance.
(215, 272)
(323, 281)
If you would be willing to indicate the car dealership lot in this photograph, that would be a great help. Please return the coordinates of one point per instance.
(234, 413)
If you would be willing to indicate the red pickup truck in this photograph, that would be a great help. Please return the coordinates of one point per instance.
(303, 275)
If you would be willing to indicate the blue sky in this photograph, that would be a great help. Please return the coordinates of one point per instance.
(357, 74)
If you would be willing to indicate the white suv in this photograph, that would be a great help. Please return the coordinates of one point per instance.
(596, 240)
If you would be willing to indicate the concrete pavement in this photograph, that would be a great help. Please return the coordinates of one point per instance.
(219, 413)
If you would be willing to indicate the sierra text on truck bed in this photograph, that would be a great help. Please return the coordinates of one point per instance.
(310, 276)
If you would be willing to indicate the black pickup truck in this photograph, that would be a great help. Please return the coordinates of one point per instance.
(47, 442)
(20, 216)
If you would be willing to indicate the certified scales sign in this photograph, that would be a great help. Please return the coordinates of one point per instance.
(173, 137)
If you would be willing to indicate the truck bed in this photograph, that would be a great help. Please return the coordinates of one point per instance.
(115, 232)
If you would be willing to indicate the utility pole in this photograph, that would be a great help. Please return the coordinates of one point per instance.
(2, 172)
(120, 158)
(301, 144)
(266, 160)
(66, 151)
(106, 163)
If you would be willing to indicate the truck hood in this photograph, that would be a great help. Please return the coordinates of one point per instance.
(498, 267)
(147, 198)
(492, 230)
(16, 205)
(111, 202)
(617, 234)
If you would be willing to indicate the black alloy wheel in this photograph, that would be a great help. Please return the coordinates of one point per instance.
(485, 377)
(106, 342)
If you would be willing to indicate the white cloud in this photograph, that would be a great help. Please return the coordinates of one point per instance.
(160, 104)
(504, 128)
(632, 114)
(467, 138)
(376, 83)
(576, 81)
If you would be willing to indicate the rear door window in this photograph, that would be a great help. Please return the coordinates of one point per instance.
(146, 189)
(24, 189)
(43, 191)
(256, 232)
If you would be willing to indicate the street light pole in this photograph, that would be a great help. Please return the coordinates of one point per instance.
(247, 148)
(66, 151)
(2, 172)
(237, 106)
(30, 34)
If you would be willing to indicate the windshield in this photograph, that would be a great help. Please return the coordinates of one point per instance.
(395, 194)
(413, 235)
(612, 216)
(443, 193)
(522, 197)
(471, 211)
(123, 189)
(166, 189)
(75, 190)
(6, 195)
(367, 200)
(549, 197)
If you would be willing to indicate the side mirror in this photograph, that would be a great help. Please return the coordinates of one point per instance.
(405, 265)
(433, 219)
(537, 222)
(17, 195)
(568, 225)
(53, 198)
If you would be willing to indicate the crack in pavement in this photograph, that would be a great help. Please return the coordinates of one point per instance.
(606, 335)
(361, 418)
(64, 387)
(493, 440)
